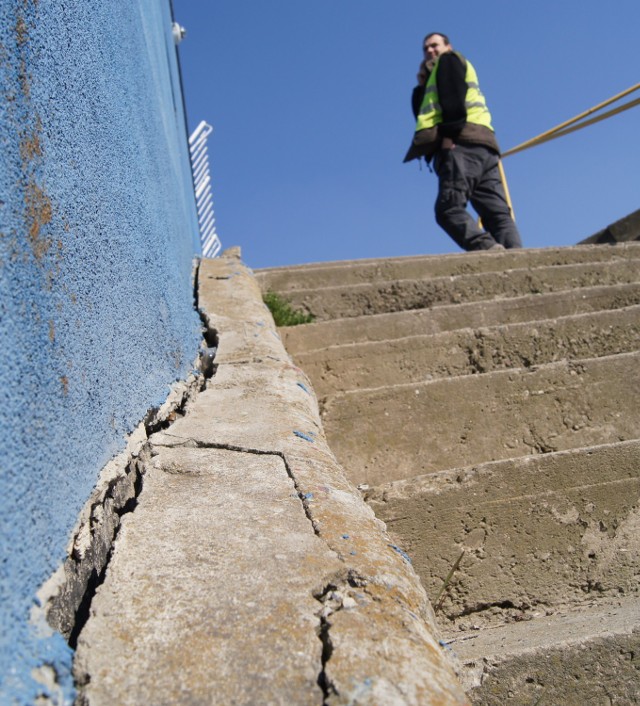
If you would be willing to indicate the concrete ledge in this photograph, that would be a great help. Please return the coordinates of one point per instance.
(245, 504)
(624, 230)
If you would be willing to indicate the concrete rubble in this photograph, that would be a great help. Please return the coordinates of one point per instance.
(251, 570)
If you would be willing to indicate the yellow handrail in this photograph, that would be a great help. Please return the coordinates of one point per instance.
(565, 128)
(547, 135)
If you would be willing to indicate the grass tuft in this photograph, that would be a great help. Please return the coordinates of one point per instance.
(283, 313)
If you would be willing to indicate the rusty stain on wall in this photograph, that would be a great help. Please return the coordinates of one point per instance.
(38, 214)
(30, 146)
(38, 209)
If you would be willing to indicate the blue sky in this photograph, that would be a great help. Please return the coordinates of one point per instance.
(310, 105)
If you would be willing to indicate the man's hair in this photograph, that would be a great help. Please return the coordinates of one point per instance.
(440, 34)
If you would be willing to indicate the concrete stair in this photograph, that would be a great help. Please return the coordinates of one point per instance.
(488, 407)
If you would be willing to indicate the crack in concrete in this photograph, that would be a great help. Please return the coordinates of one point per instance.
(334, 597)
(196, 443)
(65, 599)
(137, 470)
(484, 606)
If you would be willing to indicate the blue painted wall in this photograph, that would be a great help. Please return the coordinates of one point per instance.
(98, 235)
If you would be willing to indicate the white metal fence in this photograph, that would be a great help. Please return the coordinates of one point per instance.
(211, 245)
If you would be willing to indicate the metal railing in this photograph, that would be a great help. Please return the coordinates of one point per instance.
(568, 127)
(211, 245)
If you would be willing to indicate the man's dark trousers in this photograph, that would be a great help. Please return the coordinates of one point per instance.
(470, 173)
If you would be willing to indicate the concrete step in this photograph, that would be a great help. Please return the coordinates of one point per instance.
(392, 433)
(471, 351)
(328, 274)
(537, 532)
(401, 324)
(487, 403)
(378, 297)
(588, 657)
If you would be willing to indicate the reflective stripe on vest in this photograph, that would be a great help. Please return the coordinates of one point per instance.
(431, 111)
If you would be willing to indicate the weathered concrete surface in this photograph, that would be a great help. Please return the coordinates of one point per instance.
(625, 229)
(343, 274)
(397, 432)
(471, 351)
(396, 295)
(63, 596)
(497, 430)
(209, 598)
(538, 531)
(585, 657)
(252, 569)
(449, 317)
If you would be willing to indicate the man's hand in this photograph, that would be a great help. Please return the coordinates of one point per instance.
(447, 143)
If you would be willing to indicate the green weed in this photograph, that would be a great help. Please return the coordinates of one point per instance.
(283, 313)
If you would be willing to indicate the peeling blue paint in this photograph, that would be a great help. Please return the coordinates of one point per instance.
(402, 553)
(307, 437)
(98, 234)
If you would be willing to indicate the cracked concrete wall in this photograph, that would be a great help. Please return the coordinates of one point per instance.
(98, 233)
(251, 570)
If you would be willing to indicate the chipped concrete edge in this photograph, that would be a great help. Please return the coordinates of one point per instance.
(413, 663)
(394, 637)
(62, 602)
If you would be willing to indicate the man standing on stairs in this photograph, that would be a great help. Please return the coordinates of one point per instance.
(454, 130)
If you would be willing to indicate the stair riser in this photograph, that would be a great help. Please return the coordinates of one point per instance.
(602, 670)
(554, 529)
(367, 299)
(394, 433)
(361, 271)
(381, 327)
(468, 352)
(549, 548)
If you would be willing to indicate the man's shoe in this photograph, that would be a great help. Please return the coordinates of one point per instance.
(497, 246)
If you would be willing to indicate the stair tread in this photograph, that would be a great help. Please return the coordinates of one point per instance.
(472, 350)
(560, 628)
(298, 276)
(352, 300)
(312, 337)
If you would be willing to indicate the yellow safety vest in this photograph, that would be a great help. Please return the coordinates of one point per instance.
(477, 112)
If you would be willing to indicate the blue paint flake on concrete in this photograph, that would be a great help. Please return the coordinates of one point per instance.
(402, 553)
(98, 233)
(307, 437)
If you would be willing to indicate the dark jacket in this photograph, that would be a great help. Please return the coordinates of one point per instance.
(452, 93)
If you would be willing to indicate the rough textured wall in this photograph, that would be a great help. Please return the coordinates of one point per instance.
(98, 234)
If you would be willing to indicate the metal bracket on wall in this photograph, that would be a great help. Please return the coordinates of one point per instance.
(211, 245)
